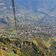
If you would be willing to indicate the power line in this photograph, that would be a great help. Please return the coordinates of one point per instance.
(13, 5)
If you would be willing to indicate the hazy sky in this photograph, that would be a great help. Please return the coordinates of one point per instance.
(31, 4)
